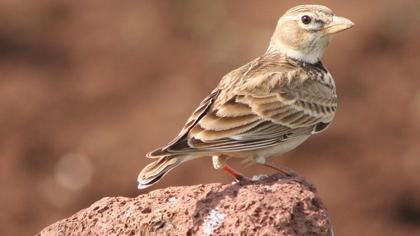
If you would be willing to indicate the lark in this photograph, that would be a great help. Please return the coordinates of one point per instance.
(265, 108)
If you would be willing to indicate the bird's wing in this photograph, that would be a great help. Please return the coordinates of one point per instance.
(257, 117)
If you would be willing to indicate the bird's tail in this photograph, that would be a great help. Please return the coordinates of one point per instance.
(154, 171)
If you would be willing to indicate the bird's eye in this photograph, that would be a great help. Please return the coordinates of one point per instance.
(306, 19)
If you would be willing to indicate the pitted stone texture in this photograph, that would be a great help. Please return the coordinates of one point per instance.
(276, 205)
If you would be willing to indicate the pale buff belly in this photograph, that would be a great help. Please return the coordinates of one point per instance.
(260, 155)
(257, 155)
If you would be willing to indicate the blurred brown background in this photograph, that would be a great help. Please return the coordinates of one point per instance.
(88, 87)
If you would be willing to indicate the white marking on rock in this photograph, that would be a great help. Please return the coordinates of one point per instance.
(259, 177)
(213, 221)
(172, 200)
(129, 212)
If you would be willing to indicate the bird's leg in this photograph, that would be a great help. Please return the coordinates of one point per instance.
(283, 170)
(219, 162)
(238, 176)
(262, 161)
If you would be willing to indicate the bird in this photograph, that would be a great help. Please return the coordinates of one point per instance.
(264, 108)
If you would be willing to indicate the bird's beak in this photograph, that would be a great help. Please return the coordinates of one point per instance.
(338, 24)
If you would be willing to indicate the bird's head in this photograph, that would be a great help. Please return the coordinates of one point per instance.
(304, 32)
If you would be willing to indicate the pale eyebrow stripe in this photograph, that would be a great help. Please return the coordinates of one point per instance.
(298, 9)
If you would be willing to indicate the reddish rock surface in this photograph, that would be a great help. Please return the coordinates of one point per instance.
(88, 87)
(271, 206)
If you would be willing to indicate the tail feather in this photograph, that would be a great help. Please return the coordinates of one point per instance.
(154, 171)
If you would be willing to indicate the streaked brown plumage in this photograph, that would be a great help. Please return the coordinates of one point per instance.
(266, 107)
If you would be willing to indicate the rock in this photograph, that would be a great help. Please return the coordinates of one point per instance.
(275, 205)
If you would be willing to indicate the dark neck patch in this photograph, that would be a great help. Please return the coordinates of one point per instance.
(320, 66)
(312, 66)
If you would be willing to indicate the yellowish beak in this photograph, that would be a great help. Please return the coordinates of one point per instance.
(338, 24)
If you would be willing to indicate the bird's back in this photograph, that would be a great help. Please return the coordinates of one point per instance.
(258, 105)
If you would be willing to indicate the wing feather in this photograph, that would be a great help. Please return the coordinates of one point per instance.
(246, 120)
